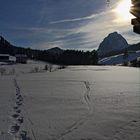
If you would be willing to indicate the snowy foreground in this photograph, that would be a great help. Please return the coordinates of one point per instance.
(76, 103)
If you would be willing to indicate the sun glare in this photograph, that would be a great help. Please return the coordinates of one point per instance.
(122, 10)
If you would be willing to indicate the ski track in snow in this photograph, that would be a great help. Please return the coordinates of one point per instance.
(87, 95)
(82, 120)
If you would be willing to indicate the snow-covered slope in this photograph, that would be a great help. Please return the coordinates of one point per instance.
(113, 42)
(119, 59)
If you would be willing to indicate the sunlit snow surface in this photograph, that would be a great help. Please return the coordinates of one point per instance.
(76, 103)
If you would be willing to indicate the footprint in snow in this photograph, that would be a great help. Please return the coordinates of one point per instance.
(15, 115)
(18, 111)
(14, 129)
(20, 120)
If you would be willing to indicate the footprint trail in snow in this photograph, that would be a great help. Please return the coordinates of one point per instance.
(17, 118)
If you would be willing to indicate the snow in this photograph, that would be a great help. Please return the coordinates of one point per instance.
(119, 59)
(76, 103)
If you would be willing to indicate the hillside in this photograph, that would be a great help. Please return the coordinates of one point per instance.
(120, 59)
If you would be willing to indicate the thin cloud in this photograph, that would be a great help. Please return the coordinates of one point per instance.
(78, 19)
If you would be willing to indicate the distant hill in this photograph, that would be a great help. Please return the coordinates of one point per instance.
(55, 50)
(7, 48)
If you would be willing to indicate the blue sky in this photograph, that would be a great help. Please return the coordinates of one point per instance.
(69, 24)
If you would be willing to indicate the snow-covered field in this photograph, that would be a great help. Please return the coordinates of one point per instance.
(76, 103)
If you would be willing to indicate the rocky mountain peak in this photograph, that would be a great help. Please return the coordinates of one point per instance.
(113, 42)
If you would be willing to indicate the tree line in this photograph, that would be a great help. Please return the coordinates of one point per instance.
(67, 57)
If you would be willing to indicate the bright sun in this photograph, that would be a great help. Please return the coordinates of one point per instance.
(122, 10)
